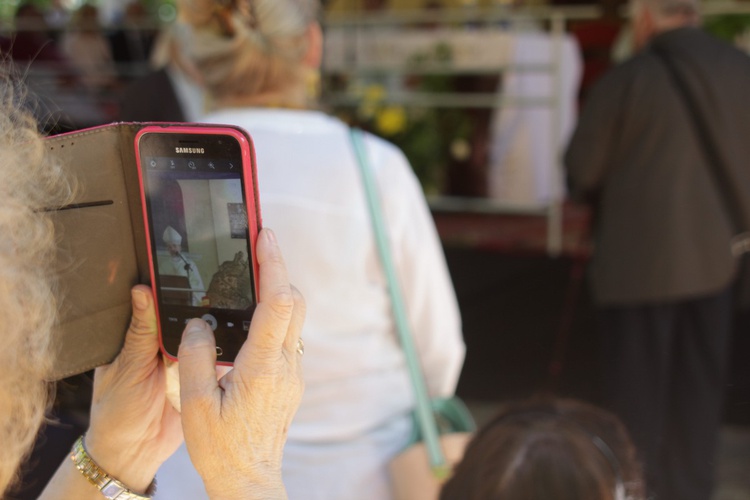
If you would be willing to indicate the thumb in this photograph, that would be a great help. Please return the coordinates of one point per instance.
(141, 339)
(197, 362)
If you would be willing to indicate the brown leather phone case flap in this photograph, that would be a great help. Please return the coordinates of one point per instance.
(102, 249)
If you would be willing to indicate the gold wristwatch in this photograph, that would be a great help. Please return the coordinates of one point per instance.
(108, 486)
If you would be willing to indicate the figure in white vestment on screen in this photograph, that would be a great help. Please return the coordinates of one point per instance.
(178, 264)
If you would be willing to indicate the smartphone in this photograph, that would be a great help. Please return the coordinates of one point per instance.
(201, 213)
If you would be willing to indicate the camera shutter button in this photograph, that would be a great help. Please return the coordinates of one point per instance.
(208, 318)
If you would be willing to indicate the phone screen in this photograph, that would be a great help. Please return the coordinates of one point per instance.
(200, 245)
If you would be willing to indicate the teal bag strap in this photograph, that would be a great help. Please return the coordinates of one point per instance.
(425, 416)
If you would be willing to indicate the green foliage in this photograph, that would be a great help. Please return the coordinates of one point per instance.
(8, 7)
(728, 26)
(427, 135)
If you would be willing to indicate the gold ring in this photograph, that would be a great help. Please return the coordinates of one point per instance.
(300, 347)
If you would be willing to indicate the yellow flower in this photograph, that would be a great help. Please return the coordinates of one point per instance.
(460, 149)
(391, 120)
(366, 110)
(374, 94)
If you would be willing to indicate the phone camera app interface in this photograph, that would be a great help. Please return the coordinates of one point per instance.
(200, 233)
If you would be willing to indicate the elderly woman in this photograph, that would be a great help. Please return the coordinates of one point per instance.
(133, 427)
(258, 62)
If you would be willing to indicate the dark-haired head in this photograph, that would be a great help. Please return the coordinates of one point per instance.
(548, 449)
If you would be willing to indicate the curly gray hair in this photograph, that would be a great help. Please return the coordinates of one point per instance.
(31, 182)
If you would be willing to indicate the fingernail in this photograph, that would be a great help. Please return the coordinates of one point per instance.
(140, 301)
(271, 237)
(193, 327)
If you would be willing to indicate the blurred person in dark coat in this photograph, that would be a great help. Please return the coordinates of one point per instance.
(663, 265)
(131, 41)
(173, 91)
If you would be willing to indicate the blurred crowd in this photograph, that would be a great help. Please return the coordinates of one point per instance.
(75, 64)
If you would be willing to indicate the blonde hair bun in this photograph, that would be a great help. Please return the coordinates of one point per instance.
(242, 48)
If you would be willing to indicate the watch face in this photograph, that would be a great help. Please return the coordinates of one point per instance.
(112, 490)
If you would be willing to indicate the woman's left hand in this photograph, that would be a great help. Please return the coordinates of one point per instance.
(134, 429)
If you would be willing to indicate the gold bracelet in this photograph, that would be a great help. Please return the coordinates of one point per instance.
(108, 486)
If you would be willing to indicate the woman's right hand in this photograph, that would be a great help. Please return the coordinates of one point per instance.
(235, 428)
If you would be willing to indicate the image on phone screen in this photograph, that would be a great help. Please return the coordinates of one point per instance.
(200, 245)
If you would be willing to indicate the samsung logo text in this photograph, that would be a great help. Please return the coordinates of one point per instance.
(193, 151)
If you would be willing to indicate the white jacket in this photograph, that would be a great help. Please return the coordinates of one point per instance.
(353, 415)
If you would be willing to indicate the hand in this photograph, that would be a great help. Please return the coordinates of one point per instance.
(134, 429)
(235, 428)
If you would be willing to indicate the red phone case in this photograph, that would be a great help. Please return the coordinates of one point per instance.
(251, 194)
